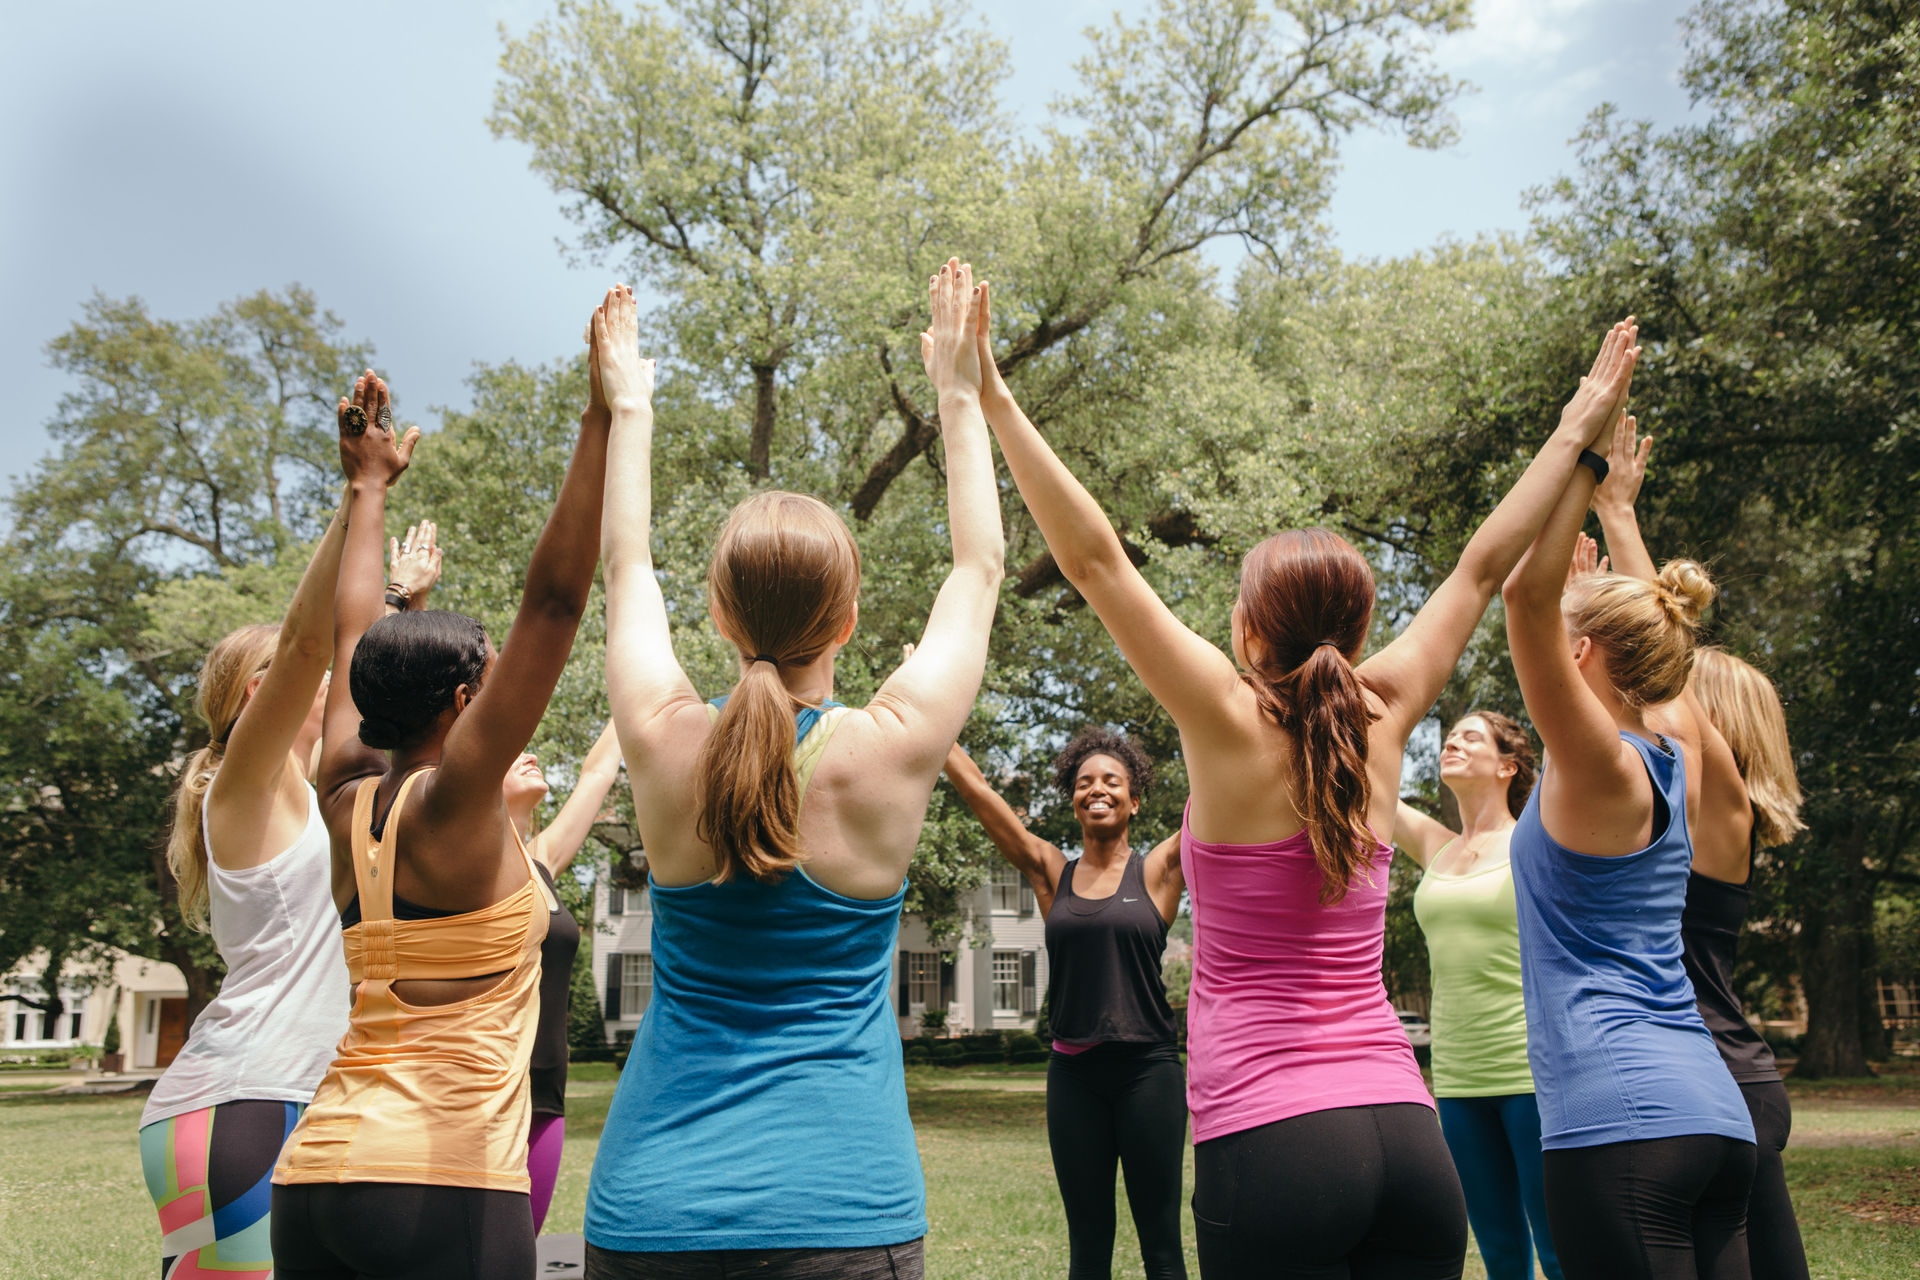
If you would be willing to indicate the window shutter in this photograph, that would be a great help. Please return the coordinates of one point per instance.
(946, 978)
(616, 900)
(1026, 897)
(906, 977)
(612, 1013)
(1029, 997)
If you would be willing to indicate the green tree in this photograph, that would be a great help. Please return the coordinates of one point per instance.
(785, 173)
(187, 456)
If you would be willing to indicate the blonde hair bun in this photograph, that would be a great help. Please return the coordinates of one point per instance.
(1686, 590)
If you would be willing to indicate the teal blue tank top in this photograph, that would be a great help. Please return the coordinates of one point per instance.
(1618, 1049)
(763, 1105)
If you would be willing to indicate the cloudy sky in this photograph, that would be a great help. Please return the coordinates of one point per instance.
(192, 153)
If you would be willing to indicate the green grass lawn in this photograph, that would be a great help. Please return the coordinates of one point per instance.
(72, 1203)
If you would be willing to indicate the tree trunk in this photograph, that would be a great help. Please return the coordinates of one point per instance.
(1833, 952)
(760, 449)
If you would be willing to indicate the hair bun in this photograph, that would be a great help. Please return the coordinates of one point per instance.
(1686, 590)
(379, 733)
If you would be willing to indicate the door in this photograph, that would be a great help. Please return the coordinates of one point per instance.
(173, 1030)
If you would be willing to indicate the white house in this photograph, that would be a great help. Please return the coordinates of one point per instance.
(151, 997)
(984, 984)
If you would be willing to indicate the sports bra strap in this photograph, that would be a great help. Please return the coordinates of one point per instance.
(808, 751)
(372, 863)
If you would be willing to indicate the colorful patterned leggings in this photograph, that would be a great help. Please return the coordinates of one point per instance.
(210, 1173)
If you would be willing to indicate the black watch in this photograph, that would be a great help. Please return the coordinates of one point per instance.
(1594, 463)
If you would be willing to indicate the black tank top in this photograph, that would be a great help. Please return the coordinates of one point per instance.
(1709, 932)
(1103, 955)
(547, 1075)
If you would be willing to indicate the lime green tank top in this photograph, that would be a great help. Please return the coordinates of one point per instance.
(1479, 1018)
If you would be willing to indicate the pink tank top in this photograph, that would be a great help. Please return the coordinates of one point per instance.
(1288, 1014)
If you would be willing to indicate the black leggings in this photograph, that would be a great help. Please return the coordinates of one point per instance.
(1351, 1192)
(879, 1262)
(1773, 1233)
(400, 1231)
(1123, 1104)
(1655, 1209)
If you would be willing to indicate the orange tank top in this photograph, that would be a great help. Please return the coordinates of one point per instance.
(436, 1094)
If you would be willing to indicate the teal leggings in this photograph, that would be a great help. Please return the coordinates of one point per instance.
(1496, 1147)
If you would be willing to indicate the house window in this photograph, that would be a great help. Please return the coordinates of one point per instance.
(1006, 982)
(153, 1015)
(926, 979)
(636, 984)
(73, 1026)
(1011, 892)
(625, 902)
(19, 1028)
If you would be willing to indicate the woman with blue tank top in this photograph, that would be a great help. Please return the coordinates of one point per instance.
(1757, 797)
(1649, 1151)
(761, 1120)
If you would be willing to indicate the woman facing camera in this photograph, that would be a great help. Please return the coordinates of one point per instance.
(761, 1122)
(554, 848)
(1465, 907)
(1649, 1152)
(1116, 1091)
(412, 1160)
(1316, 1148)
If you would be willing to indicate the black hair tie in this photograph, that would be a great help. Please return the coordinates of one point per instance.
(766, 657)
(1327, 644)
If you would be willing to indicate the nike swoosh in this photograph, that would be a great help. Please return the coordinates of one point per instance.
(1129, 899)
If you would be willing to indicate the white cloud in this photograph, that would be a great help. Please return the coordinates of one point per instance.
(1518, 32)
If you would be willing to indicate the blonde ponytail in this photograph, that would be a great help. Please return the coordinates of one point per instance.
(1745, 707)
(219, 700)
(783, 584)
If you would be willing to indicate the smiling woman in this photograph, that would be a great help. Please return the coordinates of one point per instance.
(1115, 1084)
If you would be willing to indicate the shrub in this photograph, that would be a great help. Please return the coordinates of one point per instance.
(947, 1053)
(919, 1054)
(1024, 1046)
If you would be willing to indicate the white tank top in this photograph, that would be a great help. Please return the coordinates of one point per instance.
(271, 1032)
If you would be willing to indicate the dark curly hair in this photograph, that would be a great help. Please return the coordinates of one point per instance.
(406, 670)
(1095, 741)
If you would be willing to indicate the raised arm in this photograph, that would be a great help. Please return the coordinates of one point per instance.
(497, 726)
(924, 703)
(561, 839)
(1187, 674)
(1613, 500)
(366, 427)
(1410, 672)
(257, 801)
(1417, 835)
(1593, 787)
(643, 676)
(1038, 860)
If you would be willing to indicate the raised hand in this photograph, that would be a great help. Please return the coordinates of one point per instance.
(618, 377)
(1603, 392)
(1627, 456)
(950, 348)
(1586, 559)
(414, 562)
(368, 450)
